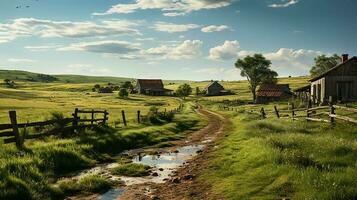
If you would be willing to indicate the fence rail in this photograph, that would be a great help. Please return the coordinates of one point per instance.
(312, 114)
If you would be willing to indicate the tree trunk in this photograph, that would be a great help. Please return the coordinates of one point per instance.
(254, 95)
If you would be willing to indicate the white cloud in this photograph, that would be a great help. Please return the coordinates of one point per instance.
(78, 66)
(21, 60)
(174, 28)
(284, 3)
(214, 28)
(23, 27)
(219, 73)
(186, 50)
(228, 50)
(42, 48)
(170, 8)
(107, 46)
(292, 62)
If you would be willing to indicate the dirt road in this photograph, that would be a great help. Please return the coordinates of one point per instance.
(183, 183)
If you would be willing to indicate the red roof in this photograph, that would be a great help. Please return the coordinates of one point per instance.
(151, 84)
(273, 90)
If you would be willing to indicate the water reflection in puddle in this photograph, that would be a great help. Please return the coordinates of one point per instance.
(163, 165)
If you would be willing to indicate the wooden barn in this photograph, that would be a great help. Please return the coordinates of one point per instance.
(303, 93)
(340, 82)
(273, 92)
(215, 89)
(154, 87)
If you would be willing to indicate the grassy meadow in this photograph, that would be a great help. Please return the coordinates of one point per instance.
(280, 158)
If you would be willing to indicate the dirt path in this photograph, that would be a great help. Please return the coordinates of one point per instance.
(183, 184)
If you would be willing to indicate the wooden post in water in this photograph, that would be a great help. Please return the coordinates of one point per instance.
(15, 129)
(123, 116)
(276, 112)
(138, 116)
(332, 109)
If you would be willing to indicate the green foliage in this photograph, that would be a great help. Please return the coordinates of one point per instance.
(123, 93)
(85, 185)
(132, 170)
(257, 70)
(156, 117)
(324, 63)
(127, 85)
(184, 90)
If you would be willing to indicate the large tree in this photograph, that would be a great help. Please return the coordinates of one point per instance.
(257, 70)
(324, 63)
(184, 90)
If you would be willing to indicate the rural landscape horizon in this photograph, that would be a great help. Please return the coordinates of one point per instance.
(178, 99)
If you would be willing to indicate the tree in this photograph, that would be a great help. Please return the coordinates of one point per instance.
(324, 63)
(257, 70)
(127, 85)
(123, 93)
(7, 81)
(184, 90)
(198, 91)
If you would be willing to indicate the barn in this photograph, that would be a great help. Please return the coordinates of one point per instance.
(273, 92)
(215, 89)
(339, 82)
(154, 87)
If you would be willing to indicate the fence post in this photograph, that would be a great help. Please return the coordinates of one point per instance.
(105, 116)
(92, 119)
(292, 110)
(263, 113)
(138, 116)
(332, 109)
(123, 116)
(15, 129)
(276, 112)
(75, 120)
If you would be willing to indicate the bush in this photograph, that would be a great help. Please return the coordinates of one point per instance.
(155, 117)
(123, 93)
(105, 90)
(87, 184)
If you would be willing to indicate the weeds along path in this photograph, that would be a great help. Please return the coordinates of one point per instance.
(183, 184)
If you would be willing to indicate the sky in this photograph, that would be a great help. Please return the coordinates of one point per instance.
(172, 39)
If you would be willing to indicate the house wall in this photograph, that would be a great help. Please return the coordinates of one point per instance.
(214, 89)
(318, 91)
(331, 86)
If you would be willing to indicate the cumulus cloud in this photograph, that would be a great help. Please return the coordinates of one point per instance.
(107, 46)
(170, 8)
(186, 50)
(23, 27)
(174, 28)
(226, 51)
(214, 28)
(284, 3)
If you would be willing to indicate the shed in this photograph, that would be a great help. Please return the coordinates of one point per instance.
(273, 92)
(153, 87)
(215, 89)
(339, 82)
(303, 93)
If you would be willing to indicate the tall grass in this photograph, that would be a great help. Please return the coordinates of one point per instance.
(276, 158)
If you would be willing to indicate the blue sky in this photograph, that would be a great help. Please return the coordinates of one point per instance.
(182, 39)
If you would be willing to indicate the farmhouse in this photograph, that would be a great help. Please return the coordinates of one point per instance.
(215, 89)
(340, 82)
(273, 92)
(154, 87)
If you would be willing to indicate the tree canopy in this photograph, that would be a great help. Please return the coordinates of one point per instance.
(184, 90)
(257, 70)
(324, 63)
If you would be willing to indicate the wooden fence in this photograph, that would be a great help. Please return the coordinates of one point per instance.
(310, 113)
(66, 125)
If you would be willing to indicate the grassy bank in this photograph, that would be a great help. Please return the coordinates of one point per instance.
(30, 174)
(274, 159)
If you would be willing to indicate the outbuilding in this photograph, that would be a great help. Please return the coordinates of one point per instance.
(273, 92)
(154, 87)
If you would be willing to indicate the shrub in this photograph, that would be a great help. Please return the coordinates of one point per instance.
(105, 90)
(87, 184)
(123, 93)
(155, 117)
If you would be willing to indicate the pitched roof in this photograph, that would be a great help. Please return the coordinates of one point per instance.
(332, 69)
(212, 83)
(151, 84)
(273, 90)
(303, 88)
